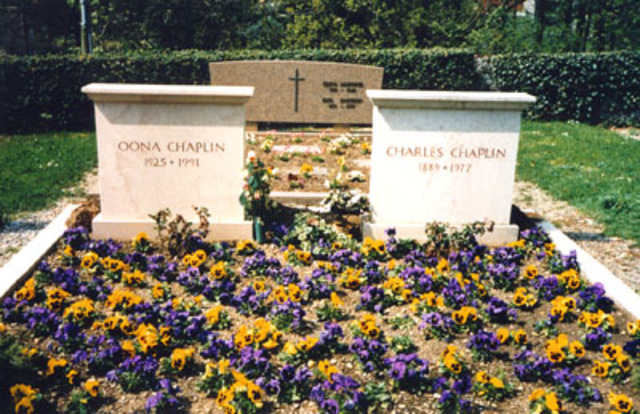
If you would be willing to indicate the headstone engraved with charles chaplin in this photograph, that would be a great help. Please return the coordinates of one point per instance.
(302, 91)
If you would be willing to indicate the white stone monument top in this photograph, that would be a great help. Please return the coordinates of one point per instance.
(192, 94)
(443, 156)
(510, 101)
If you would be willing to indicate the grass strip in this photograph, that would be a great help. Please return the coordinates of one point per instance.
(38, 169)
(591, 168)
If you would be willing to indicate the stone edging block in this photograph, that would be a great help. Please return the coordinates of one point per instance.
(29, 256)
(595, 272)
(307, 198)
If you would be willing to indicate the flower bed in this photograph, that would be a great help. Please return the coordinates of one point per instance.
(314, 162)
(315, 321)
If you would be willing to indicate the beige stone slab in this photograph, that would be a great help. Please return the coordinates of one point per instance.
(511, 101)
(301, 149)
(443, 156)
(172, 155)
(501, 234)
(127, 229)
(142, 93)
(430, 169)
(303, 91)
(302, 198)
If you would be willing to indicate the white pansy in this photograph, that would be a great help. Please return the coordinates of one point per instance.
(355, 175)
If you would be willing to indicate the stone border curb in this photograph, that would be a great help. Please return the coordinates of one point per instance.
(29, 256)
(595, 272)
(307, 198)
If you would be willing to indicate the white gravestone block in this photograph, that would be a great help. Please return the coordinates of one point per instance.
(443, 156)
(174, 146)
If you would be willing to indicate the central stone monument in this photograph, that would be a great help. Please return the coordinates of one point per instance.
(175, 146)
(444, 156)
(302, 91)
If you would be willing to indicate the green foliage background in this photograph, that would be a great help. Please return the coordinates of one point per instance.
(42, 93)
(484, 26)
(172, 41)
(585, 87)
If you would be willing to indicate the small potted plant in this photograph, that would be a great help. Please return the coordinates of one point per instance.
(255, 193)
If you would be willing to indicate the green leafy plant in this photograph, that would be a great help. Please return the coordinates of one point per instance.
(585, 87)
(256, 189)
(307, 229)
(347, 202)
(15, 365)
(441, 239)
(30, 105)
(133, 382)
(329, 312)
(402, 344)
(401, 323)
(82, 402)
(493, 388)
(378, 396)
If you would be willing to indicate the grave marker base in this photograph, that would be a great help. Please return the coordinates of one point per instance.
(342, 128)
(128, 229)
(501, 234)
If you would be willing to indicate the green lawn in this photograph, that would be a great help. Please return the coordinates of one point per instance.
(36, 170)
(593, 169)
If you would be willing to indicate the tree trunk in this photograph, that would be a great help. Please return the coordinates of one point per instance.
(581, 24)
(567, 30)
(76, 9)
(599, 24)
(541, 17)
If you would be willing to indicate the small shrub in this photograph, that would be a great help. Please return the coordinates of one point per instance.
(177, 235)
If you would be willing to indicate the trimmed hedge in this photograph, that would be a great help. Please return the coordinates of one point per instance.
(590, 88)
(43, 93)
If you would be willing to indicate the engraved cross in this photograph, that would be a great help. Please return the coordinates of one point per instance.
(297, 79)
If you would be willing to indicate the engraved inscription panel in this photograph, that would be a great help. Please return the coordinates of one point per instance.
(443, 166)
(171, 155)
(302, 91)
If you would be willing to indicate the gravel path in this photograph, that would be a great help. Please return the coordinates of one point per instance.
(618, 255)
(24, 228)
